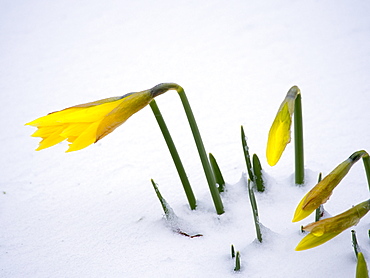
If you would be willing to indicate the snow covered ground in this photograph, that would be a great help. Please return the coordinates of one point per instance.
(94, 213)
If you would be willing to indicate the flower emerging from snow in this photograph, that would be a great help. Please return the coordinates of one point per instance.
(324, 230)
(84, 124)
(279, 134)
(322, 191)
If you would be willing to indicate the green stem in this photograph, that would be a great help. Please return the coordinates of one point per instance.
(356, 248)
(320, 210)
(202, 153)
(175, 156)
(298, 141)
(366, 160)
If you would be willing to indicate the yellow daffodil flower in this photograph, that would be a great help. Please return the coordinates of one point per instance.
(321, 192)
(84, 124)
(361, 268)
(279, 134)
(324, 230)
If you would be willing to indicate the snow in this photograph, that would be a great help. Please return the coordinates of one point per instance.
(94, 213)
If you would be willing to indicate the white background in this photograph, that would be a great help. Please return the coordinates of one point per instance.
(94, 213)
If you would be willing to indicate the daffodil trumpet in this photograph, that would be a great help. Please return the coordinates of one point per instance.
(280, 132)
(321, 192)
(85, 124)
(326, 229)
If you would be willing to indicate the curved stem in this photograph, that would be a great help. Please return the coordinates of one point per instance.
(164, 87)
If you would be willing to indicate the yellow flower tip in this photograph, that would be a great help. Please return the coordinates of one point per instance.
(361, 268)
(311, 241)
(301, 212)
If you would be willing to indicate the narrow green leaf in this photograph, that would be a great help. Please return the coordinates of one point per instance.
(217, 172)
(175, 156)
(166, 208)
(298, 141)
(253, 201)
(246, 155)
(232, 251)
(237, 261)
(257, 169)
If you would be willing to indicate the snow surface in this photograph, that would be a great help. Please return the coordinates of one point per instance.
(94, 213)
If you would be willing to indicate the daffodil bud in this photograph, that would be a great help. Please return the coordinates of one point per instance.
(279, 134)
(321, 192)
(324, 230)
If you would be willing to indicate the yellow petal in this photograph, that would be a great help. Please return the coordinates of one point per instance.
(85, 139)
(74, 129)
(51, 140)
(46, 131)
(71, 139)
(79, 113)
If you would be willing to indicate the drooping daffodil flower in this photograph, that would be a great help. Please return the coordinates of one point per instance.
(321, 192)
(361, 268)
(279, 134)
(324, 230)
(85, 124)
